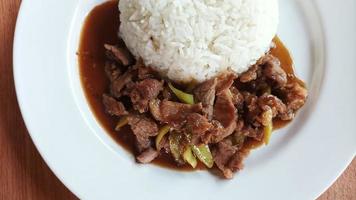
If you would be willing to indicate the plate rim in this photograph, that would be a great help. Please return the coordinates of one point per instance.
(27, 121)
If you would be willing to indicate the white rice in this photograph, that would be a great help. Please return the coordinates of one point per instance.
(198, 39)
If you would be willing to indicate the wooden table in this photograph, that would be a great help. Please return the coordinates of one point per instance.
(23, 173)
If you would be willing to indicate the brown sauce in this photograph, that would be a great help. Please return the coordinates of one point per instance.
(101, 27)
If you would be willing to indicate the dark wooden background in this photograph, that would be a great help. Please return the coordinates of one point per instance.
(23, 173)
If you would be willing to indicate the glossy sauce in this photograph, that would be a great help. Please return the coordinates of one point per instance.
(101, 27)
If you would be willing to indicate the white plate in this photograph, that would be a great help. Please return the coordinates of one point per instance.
(301, 162)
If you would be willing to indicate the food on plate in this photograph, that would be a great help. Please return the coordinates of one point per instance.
(189, 84)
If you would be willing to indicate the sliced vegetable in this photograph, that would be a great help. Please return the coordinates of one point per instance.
(189, 157)
(268, 126)
(174, 140)
(203, 153)
(268, 133)
(161, 133)
(122, 122)
(182, 96)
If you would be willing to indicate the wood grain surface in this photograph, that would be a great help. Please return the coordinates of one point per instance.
(23, 173)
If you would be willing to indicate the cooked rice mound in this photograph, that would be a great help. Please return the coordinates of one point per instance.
(189, 40)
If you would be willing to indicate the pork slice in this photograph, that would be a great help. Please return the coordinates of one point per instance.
(144, 72)
(236, 162)
(147, 156)
(113, 107)
(268, 101)
(119, 83)
(142, 125)
(143, 128)
(238, 138)
(176, 114)
(225, 81)
(155, 110)
(197, 125)
(141, 93)
(273, 72)
(249, 75)
(121, 55)
(237, 97)
(225, 117)
(252, 132)
(143, 143)
(112, 71)
(205, 93)
(224, 109)
(294, 96)
(222, 154)
(252, 110)
(173, 113)
(219, 133)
